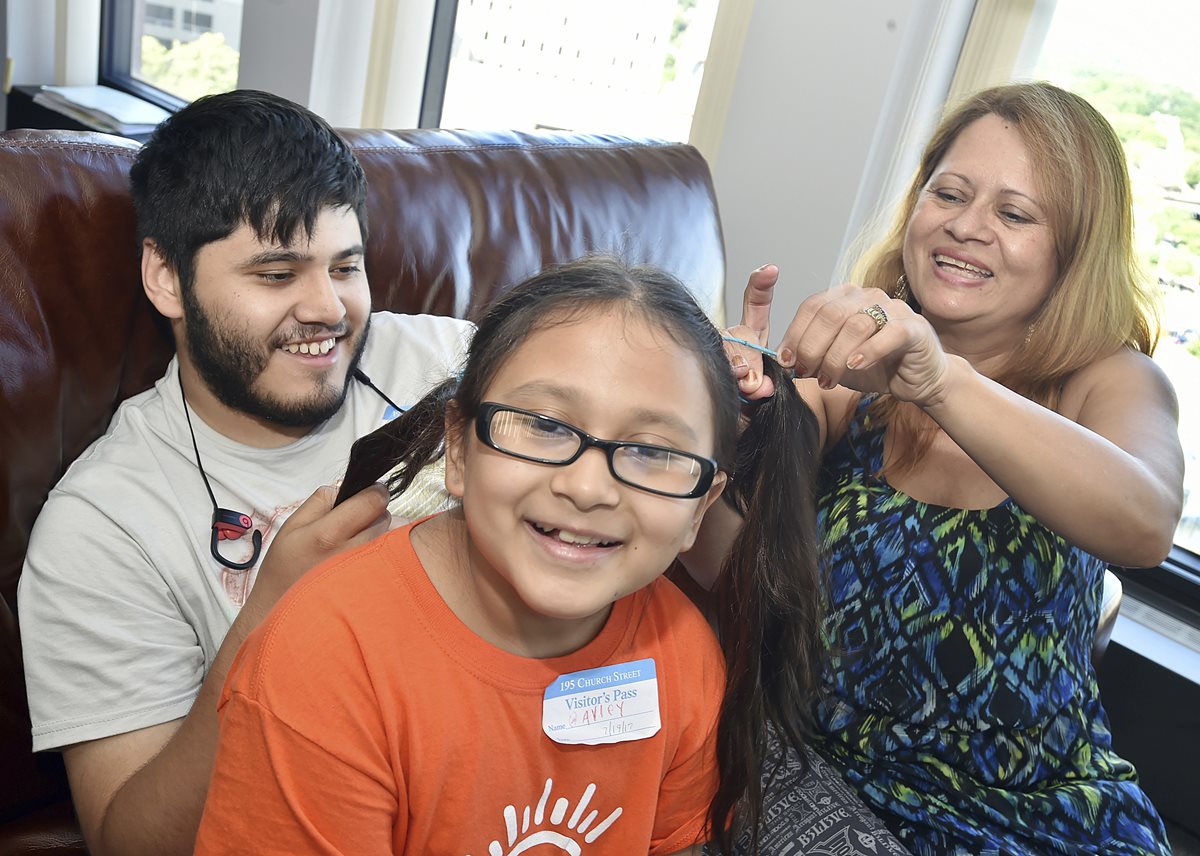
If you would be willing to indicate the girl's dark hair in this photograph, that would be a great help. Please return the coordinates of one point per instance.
(768, 587)
(768, 599)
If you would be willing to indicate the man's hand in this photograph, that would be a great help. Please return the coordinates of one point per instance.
(315, 531)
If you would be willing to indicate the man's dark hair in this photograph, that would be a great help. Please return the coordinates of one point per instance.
(240, 157)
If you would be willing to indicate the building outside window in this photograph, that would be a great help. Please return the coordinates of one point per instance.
(622, 66)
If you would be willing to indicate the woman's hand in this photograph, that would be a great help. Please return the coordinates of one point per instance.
(754, 327)
(889, 349)
(833, 340)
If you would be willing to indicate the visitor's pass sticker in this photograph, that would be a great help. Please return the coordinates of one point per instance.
(610, 704)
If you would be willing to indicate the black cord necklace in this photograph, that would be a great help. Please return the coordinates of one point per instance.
(227, 524)
(361, 376)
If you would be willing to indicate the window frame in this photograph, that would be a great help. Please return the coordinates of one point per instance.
(437, 65)
(116, 53)
(1176, 580)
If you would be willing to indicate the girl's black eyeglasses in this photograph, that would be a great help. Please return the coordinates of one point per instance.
(534, 437)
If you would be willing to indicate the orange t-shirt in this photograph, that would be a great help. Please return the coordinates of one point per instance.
(362, 717)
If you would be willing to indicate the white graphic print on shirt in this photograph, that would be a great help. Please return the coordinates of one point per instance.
(533, 831)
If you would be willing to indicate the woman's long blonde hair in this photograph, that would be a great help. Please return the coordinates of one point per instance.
(1101, 301)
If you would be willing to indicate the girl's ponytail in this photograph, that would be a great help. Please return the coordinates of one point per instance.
(418, 437)
(767, 595)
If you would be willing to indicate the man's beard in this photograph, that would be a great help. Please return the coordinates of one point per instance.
(231, 362)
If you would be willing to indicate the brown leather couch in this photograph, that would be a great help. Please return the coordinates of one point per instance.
(455, 218)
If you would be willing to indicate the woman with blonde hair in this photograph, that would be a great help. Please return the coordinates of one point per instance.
(993, 434)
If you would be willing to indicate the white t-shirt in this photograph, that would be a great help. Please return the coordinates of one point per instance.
(122, 606)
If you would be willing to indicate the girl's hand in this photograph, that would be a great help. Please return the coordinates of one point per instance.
(834, 339)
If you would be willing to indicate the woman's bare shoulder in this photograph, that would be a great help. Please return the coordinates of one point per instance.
(1126, 373)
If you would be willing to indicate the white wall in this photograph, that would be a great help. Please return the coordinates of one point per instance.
(287, 29)
(30, 39)
(328, 48)
(339, 71)
(808, 95)
(4, 48)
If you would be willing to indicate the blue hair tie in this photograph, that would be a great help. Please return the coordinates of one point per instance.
(772, 354)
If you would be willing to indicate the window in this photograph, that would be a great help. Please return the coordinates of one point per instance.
(1140, 72)
(171, 51)
(196, 21)
(159, 16)
(624, 66)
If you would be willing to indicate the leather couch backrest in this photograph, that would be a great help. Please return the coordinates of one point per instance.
(454, 219)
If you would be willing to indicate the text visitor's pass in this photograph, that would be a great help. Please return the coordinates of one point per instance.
(604, 705)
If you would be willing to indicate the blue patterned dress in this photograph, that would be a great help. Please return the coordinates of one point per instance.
(961, 700)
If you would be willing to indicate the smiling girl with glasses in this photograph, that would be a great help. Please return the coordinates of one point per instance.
(516, 672)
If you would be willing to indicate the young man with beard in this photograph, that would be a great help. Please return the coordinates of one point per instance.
(156, 554)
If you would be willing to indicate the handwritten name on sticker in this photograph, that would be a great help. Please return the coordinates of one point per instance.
(608, 704)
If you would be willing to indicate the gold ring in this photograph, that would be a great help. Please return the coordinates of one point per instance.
(875, 313)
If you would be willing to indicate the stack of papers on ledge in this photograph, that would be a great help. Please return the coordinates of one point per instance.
(102, 108)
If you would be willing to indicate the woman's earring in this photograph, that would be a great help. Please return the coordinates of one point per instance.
(1029, 332)
(900, 292)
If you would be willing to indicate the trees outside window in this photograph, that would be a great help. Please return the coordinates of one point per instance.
(171, 51)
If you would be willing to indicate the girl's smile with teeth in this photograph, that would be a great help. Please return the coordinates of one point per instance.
(570, 537)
